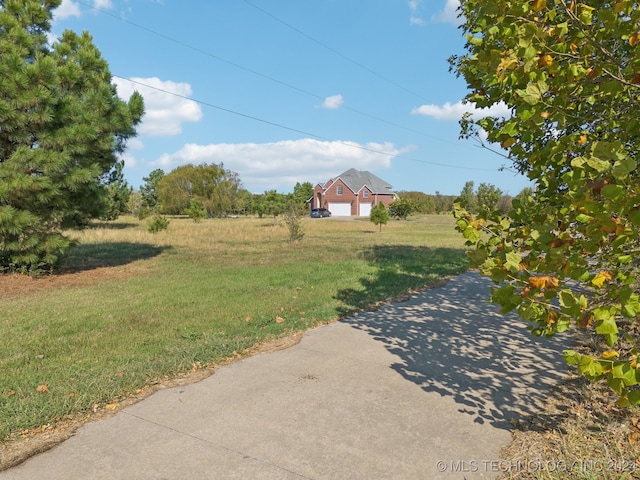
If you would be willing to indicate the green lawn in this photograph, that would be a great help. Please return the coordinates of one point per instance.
(133, 308)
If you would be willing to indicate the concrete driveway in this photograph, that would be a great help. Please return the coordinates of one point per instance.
(415, 390)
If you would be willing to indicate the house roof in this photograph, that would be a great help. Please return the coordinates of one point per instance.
(358, 179)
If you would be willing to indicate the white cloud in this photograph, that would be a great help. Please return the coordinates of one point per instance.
(66, 9)
(450, 13)
(102, 4)
(135, 144)
(414, 6)
(335, 101)
(164, 113)
(455, 111)
(268, 165)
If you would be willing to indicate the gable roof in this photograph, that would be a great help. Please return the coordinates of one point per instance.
(356, 180)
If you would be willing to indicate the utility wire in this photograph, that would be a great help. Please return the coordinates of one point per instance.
(309, 134)
(268, 77)
(334, 51)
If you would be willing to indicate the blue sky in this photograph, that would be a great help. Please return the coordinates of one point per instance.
(286, 91)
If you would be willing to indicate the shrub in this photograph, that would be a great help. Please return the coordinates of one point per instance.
(158, 223)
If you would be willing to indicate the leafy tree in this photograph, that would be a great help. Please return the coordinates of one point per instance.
(401, 208)
(243, 202)
(134, 205)
(566, 253)
(379, 215)
(420, 202)
(468, 197)
(274, 204)
(302, 192)
(62, 127)
(444, 203)
(196, 211)
(258, 205)
(149, 189)
(212, 185)
(487, 198)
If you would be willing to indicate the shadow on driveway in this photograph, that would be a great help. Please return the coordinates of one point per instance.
(452, 341)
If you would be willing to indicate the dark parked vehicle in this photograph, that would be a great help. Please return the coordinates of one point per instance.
(320, 212)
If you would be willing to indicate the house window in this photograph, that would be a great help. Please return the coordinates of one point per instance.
(366, 194)
(339, 189)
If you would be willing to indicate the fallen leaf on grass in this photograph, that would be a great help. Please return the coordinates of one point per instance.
(11, 393)
(112, 406)
(279, 320)
(42, 389)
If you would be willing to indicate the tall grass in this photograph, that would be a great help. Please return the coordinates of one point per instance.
(132, 307)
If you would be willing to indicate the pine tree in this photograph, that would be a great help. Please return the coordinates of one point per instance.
(62, 128)
(379, 215)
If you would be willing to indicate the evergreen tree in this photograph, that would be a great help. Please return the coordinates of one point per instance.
(62, 127)
(379, 215)
(149, 190)
(119, 193)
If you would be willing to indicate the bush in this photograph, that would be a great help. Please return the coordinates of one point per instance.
(158, 223)
(293, 220)
(196, 211)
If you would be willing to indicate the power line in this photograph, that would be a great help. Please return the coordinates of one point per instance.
(309, 134)
(268, 77)
(334, 51)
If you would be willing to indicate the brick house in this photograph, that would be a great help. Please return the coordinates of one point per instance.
(352, 193)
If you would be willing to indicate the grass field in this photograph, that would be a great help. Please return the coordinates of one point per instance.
(131, 308)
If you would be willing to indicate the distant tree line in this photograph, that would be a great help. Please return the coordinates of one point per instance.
(209, 191)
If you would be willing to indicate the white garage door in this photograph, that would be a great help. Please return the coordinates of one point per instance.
(340, 209)
(365, 209)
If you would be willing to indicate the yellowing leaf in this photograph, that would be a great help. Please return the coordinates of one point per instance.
(545, 61)
(609, 354)
(536, 282)
(538, 5)
(508, 142)
(634, 39)
(111, 406)
(583, 139)
(602, 277)
(551, 282)
(543, 281)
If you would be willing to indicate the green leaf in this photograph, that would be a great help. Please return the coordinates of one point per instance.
(616, 384)
(622, 168)
(477, 256)
(613, 192)
(513, 262)
(571, 357)
(634, 397)
(598, 165)
(584, 218)
(589, 367)
(624, 372)
(607, 327)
